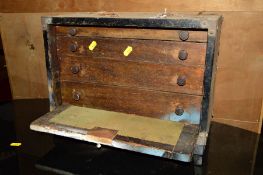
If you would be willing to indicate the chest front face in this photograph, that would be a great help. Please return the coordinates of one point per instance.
(151, 72)
(158, 69)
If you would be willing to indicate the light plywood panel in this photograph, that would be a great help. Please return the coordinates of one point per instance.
(129, 5)
(239, 81)
(249, 126)
(127, 125)
(31, 6)
(24, 52)
(179, 6)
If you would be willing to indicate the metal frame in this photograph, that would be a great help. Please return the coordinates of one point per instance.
(209, 23)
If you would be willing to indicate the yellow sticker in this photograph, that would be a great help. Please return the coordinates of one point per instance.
(92, 45)
(127, 51)
(15, 144)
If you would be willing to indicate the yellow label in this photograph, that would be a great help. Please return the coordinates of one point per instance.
(92, 45)
(127, 51)
(15, 144)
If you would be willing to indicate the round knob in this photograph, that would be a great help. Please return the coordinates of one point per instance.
(181, 80)
(182, 55)
(73, 47)
(76, 96)
(179, 110)
(184, 35)
(74, 69)
(72, 31)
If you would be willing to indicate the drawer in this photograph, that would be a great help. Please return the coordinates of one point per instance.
(162, 105)
(154, 51)
(132, 33)
(172, 78)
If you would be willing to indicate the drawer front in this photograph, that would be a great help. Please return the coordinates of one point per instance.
(172, 78)
(132, 33)
(153, 51)
(162, 105)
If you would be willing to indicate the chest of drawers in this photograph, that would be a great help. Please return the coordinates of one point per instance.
(136, 81)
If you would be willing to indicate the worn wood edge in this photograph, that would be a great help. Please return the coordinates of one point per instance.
(139, 148)
(200, 144)
(188, 134)
(214, 32)
(136, 141)
(81, 134)
(199, 36)
(194, 15)
(175, 154)
(42, 124)
(52, 67)
(261, 119)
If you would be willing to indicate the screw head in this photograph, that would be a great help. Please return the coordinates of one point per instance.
(182, 55)
(73, 47)
(181, 80)
(179, 110)
(184, 35)
(75, 69)
(76, 96)
(72, 31)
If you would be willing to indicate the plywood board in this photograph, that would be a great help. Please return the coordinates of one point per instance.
(128, 125)
(239, 80)
(246, 125)
(130, 132)
(129, 5)
(24, 52)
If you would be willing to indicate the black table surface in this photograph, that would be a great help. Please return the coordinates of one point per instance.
(230, 150)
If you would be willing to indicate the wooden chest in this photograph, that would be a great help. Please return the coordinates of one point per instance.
(136, 81)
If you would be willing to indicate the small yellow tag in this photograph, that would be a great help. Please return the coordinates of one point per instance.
(92, 45)
(127, 51)
(15, 144)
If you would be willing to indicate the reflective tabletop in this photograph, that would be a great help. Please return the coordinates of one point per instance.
(230, 150)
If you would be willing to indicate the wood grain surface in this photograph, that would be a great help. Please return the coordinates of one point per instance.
(132, 74)
(24, 53)
(129, 100)
(28, 6)
(132, 33)
(155, 51)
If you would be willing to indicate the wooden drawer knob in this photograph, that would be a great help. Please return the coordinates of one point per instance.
(181, 80)
(75, 69)
(72, 31)
(73, 47)
(182, 55)
(184, 35)
(76, 96)
(179, 110)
